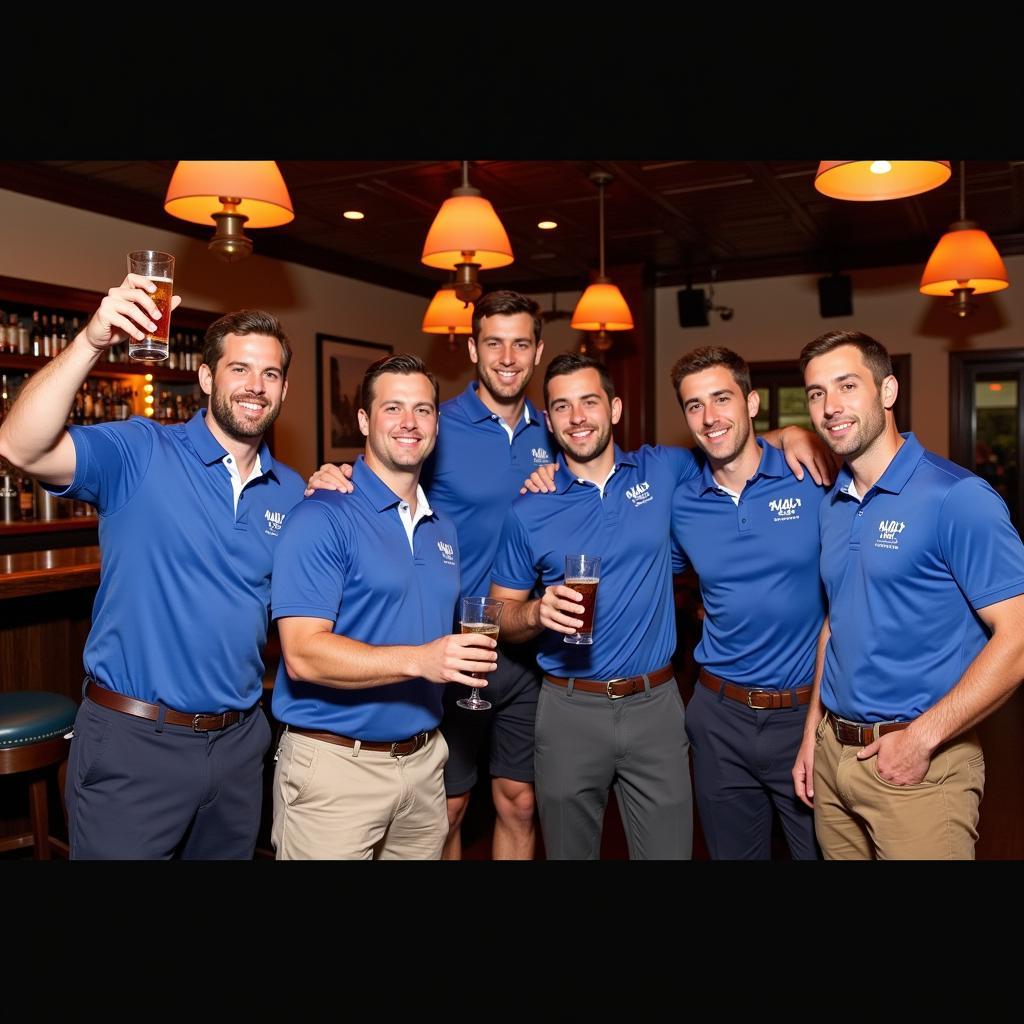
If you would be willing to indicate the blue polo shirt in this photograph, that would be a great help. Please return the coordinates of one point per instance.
(629, 527)
(758, 568)
(906, 570)
(182, 607)
(475, 473)
(346, 557)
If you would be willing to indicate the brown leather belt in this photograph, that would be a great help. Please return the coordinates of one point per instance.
(616, 688)
(397, 749)
(201, 722)
(858, 734)
(759, 700)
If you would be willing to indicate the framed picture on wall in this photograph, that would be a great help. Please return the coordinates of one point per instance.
(340, 365)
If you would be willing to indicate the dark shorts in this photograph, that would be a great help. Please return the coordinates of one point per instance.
(512, 689)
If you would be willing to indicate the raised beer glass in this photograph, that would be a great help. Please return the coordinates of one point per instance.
(159, 268)
(479, 615)
(583, 573)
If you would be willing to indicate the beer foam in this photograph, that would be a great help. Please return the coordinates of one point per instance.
(160, 280)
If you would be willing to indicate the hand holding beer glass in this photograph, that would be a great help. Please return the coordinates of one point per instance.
(159, 268)
(479, 615)
(582, 574)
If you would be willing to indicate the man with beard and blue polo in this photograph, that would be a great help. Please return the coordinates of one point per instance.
(364, 594)
(610, 713)
(167, 755)
(749, 528)
(924, 638)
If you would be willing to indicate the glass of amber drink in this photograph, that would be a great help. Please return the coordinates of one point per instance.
(583, 574)
(159, 268)
(479, 615)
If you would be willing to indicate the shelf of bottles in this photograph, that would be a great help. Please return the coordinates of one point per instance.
(37, 322)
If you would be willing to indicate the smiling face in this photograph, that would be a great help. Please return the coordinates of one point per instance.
(847, 408)
(581, 415)
(717, 413)
(401, 424)
(505, 354)
(249, 386)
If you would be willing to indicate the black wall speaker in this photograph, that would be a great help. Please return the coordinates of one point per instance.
(835, 295)
(693, 308)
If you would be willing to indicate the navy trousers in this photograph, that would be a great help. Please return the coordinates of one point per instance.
(742, 760)
(144, 790)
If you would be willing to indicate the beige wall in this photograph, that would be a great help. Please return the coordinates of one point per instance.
(44, 241)
(775, 317)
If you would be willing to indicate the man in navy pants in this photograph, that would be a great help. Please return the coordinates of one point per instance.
(167, 756)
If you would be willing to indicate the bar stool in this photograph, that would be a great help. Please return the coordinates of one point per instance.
(33, 725)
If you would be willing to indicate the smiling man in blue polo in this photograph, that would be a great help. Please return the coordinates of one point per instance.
(750, 530)
(167, 755)
(364, 594)
(924, 638)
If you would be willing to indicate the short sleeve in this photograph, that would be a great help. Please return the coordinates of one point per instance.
(514, 565)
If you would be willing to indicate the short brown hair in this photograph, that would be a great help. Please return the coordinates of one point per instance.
(706, 358)
(403, 364)
(569, 362)
(874, 353)
(244, 321)
(506, 304)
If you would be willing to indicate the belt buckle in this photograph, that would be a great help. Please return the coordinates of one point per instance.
(608, 688)
(195, 723)
(750, 694)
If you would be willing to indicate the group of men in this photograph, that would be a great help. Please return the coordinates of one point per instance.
(842, 665)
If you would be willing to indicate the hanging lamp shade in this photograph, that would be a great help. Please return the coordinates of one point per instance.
(867, 180)
(602, 308)
(448, 314)
(466, 224)
(964, 258)
(198, 186)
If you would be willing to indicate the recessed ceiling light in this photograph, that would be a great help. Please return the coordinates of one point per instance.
(353, 215)
(547, 225)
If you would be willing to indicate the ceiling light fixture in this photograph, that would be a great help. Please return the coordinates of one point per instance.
(965, 263)
(230, 194)
(448, 314)
(466, 237)
(602, 308)
(867, 180)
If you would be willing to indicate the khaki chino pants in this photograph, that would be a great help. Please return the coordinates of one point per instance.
(860, 816)
(343, 803)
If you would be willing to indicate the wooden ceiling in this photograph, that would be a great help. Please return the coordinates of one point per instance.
(680, 219)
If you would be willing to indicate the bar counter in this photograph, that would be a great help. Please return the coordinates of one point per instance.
(28, 573)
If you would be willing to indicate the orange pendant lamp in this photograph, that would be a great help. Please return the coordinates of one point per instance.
(964, 263)
(448, 314)
(602, 308)
(867, 180)
(230, 194)
(466, 237)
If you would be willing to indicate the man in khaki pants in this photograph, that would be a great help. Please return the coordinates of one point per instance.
(924, 575)
(364, 592)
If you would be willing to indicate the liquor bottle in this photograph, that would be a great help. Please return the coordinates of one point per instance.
(10, 493)
(26, 497)
(62, 336)
(36, 337)
(5, 402)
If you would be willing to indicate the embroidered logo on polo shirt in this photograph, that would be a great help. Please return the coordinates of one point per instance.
(785, 509)
(447, 552)
(640, 494)
(540, 456)
(275, 520)
(889, 531)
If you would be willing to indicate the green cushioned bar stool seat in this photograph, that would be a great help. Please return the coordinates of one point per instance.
(33, 726)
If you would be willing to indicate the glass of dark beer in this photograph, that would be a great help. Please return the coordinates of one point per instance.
(159, 268)
(479, 615)
(583, 573)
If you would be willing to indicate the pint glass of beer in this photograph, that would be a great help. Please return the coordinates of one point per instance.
(583, 573)
(479, 615)
(159, 268)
